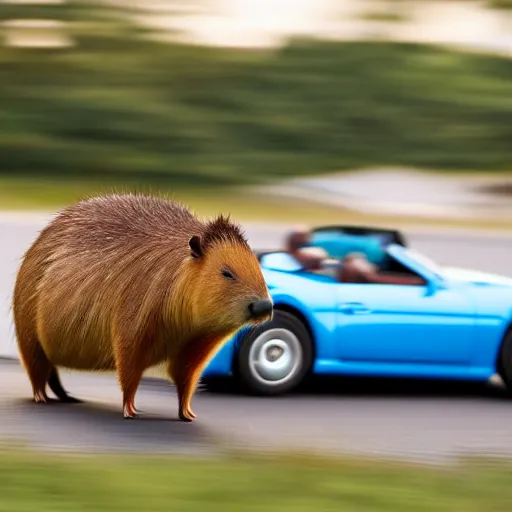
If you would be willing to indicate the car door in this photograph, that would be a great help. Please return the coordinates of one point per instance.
(387, 323)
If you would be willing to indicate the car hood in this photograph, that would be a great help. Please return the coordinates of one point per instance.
(476, 277)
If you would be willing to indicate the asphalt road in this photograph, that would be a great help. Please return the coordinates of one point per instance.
(419, 421)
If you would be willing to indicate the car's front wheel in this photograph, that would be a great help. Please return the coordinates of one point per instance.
(505, 362)
(275, 357)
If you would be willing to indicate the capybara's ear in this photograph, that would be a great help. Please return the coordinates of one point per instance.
(195, 247)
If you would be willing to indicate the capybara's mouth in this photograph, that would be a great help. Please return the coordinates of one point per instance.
(256, 321)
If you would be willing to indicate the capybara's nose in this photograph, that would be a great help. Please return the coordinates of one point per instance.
(260, 308)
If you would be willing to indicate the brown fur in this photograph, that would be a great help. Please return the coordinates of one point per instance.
(119, 282)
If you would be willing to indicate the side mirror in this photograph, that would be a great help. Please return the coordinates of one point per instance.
(434, 285)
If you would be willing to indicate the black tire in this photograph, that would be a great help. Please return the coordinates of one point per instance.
(217, 385)
(295, 336)
(505, 362)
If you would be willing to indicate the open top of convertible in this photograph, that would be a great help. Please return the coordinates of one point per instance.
(386, 249)
(396, 259)
(338, 241)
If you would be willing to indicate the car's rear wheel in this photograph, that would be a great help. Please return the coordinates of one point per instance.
(275, 357)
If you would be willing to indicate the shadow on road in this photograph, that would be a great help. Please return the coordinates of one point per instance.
(93, 426)
(378, 388)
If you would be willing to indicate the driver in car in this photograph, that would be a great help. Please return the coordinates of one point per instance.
(353, 268)
(298, 245)
(315, 259)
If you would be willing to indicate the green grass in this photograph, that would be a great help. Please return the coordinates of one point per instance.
(119, 107)
(57, 483)
(48, 195)
(386, 17)
(242, 203)
(499, 4)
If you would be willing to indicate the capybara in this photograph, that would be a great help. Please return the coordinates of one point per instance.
(127, 281)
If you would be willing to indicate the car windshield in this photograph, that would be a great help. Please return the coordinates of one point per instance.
(427, 262)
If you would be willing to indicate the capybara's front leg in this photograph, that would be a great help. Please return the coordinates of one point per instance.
(185, 386)
(185, 370)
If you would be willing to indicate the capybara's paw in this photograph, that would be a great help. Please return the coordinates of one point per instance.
(129, 411)
(40, 397)
(187, 415)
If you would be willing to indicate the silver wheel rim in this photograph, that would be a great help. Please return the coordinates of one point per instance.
(275, 357)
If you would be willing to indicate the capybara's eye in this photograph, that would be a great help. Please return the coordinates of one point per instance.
(227, 274)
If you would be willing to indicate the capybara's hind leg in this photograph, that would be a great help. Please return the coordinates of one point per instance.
(56, 386)
(129, 380)
(129, 374)
(36, 365)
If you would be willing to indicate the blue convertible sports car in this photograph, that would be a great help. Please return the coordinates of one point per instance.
(455, 325)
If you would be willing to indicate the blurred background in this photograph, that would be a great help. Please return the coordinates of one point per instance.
(382, 112)
(281, 110)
